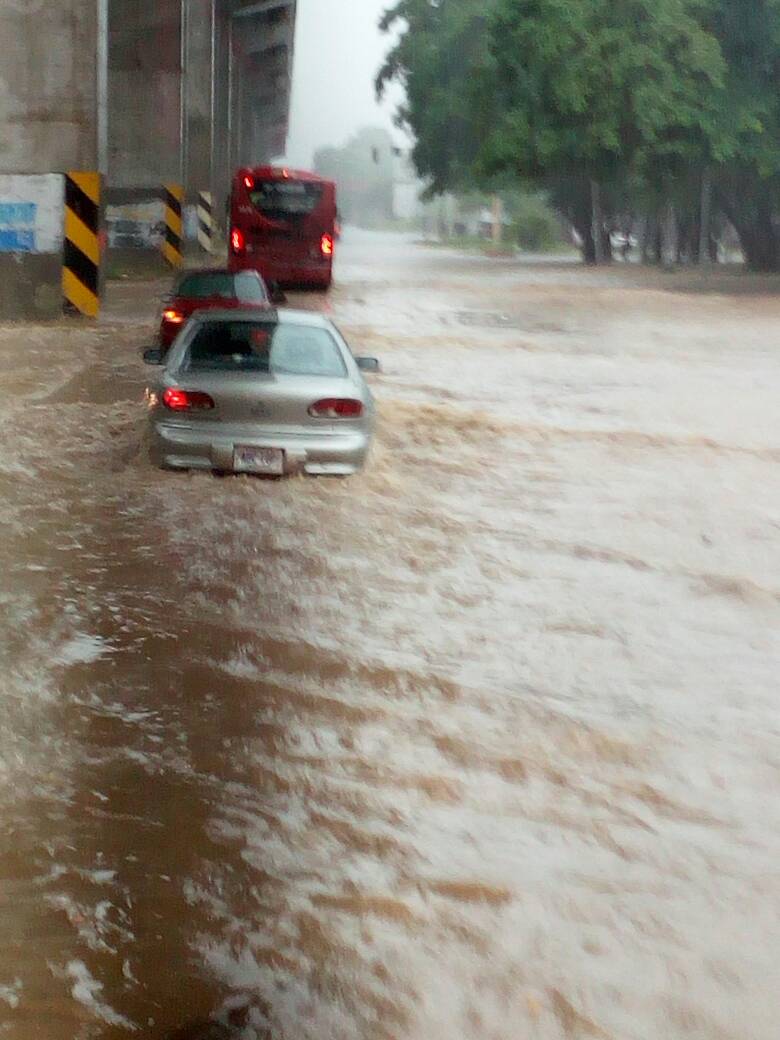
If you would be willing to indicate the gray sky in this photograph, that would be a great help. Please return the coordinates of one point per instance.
(338, 50)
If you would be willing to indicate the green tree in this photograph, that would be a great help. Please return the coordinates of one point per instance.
(602, 91)
(442, 60)
(641, 105)
(746, 173)
(565, 93)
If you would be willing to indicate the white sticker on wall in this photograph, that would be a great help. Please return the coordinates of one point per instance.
(32, 213)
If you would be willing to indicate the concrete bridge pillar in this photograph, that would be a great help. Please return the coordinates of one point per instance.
(147, 92)
(145, 87)
(48, 85)
(49, 124)
(194, 87)
(201, 35)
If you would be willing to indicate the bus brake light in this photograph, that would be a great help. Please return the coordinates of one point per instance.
(326, 245)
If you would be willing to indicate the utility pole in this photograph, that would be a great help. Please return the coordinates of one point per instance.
(705, 217)
(597, 223)
(183, 113)
(671, 236)
(498, 219)
(101, 73)
(231, 101)
(213, 103)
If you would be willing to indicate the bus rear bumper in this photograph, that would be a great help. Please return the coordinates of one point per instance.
(289, 274)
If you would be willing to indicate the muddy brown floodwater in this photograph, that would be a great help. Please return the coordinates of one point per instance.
(480, 745)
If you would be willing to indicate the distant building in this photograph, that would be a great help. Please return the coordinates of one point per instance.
(364, 172)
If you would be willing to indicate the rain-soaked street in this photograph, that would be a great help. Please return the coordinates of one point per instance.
(479, 745)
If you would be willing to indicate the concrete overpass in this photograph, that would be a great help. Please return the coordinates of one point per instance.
(145, 91)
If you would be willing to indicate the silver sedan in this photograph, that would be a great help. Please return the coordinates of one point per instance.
(268, 393)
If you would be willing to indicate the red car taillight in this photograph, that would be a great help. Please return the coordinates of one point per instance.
(173, 317)
(326, 245)
(336, 408)
(237, 240)
(186, 400)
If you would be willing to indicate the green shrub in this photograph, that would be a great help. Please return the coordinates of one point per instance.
(535, 226)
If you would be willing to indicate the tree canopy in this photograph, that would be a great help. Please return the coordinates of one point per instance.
(442, 59)
(645, 98)
(605, 86)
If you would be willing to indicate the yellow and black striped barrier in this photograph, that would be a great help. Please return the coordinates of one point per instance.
(173, 199)
(81, 253)
(205, 221)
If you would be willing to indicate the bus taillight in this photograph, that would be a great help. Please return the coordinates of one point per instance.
(326, 245)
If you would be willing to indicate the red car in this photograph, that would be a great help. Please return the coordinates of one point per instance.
(209, 289)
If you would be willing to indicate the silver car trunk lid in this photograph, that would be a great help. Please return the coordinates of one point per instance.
(278, 401)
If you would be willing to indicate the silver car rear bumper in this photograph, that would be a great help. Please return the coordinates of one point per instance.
(337, 453)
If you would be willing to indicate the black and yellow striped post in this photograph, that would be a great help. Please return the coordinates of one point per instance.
(81, 252)
(173, 199)
(205, 221)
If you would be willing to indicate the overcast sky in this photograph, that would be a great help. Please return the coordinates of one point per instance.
(338, 51)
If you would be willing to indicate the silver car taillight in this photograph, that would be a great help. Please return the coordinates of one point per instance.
(177, 400)
(337, 408)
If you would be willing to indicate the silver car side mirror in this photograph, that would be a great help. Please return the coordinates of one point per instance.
(368, 364)
(153, 356)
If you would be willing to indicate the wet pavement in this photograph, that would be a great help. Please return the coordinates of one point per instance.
(481, 744)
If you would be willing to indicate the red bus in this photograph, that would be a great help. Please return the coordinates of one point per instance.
(282, 224)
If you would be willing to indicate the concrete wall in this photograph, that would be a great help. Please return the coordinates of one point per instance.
(223, 157)
(229, 107)
(145, 92)
(245, 95)
(31, 236)
(265, 51)
(266, 103)
(48, 106)
(199, 104)
(47, 85)
(48, 124)
(252, 88)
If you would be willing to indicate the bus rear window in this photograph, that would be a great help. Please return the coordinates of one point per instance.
(278, 200)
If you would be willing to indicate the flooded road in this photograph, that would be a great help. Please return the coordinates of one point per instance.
(479, 745)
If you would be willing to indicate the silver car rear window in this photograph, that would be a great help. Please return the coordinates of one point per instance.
(279, 349)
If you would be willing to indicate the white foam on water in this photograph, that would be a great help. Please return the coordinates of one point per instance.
(11, 994)
(86, 990)
(562, 817)
(82, 649)
(296, 1013)
(92, 924)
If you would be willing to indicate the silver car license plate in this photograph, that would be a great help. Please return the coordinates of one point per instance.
(259, 460)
